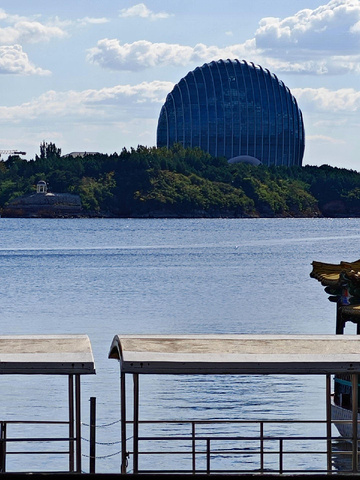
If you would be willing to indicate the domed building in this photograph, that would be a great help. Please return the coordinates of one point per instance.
(237, 110)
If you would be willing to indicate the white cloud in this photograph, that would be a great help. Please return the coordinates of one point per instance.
(93, 21)
(14, 61)
(142, 54)
(89, 103)
(345, 100)
(328, 28)
(322, 41)
(141, 10)
(109, 53)
(16, 30)
(23, 30)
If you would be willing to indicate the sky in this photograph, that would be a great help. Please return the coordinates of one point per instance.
(92, 76)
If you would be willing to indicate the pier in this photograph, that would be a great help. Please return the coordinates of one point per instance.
(200, 442)
(214, 447)
(59, 355)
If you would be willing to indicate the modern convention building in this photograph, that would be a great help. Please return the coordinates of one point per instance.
(237, 110)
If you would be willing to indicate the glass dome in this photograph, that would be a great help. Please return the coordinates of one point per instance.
(232, 108)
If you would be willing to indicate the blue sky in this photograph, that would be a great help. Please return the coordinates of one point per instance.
(92, 76)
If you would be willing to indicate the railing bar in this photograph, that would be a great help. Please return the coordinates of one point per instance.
(40, 453)
(35, 422)
(237, 438)
(229, 453)
(199, 422)
(39, 439)
(255, 471)
(184, 423)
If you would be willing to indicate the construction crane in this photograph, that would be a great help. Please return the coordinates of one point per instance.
(11, 152)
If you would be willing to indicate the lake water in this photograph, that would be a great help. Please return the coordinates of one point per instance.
(104, 277)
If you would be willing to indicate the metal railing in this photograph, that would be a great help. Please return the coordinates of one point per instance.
(6, 440)
(265, 441)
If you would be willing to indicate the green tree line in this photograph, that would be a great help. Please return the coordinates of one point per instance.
(182, 182)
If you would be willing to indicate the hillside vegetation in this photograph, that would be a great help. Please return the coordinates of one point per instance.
(152, 182)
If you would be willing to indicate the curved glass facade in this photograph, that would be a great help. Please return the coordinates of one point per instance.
(232, 108)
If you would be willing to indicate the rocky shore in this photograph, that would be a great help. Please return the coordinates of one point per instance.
(44, 205)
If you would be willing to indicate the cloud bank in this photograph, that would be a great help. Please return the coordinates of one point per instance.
(15, 31)
(113, 102)
(87, 103)
(142, 54)
(322, 41)
(345, 100)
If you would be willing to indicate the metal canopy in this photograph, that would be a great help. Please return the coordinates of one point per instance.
(46, 354)
(237, 354)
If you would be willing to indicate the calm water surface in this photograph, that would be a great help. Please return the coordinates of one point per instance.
(103, 277)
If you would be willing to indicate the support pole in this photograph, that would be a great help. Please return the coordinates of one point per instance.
(123, 422)
(339, 320)
(78, 423)
(328, 423)
(193, 447)
(3, 447)
(71, 422)
(92, 456)
(355, 460)
(136, 423)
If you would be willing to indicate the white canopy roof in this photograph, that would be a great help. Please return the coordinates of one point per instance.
(46, 354)
(237, 354)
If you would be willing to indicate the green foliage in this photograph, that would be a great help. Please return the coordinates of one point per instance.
(48, 151)
(179, 194)
(95, 194)
(182, 182)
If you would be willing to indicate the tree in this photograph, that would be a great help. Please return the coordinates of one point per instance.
(48, 151)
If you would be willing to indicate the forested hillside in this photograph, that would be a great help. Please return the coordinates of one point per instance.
(151, 182)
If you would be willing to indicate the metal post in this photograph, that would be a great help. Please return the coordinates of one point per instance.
(328, 423)
(193, 447)
(136, 424)
(71, 422)
(123, 422)
(78, 423)
(3, 447)
(355, 387)
(281, 459)
(208, 456)
(92, 455)
(261, 447)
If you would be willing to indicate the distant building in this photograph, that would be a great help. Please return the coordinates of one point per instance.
(44, 204)
(41, 187)
(80, 154)
(237, 110)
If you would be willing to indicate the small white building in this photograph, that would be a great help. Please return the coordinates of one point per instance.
(41, 187)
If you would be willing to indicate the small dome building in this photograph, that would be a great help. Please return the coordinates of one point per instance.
(233, 109)
(41, 187)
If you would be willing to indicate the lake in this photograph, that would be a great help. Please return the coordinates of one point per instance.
(179, 276)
